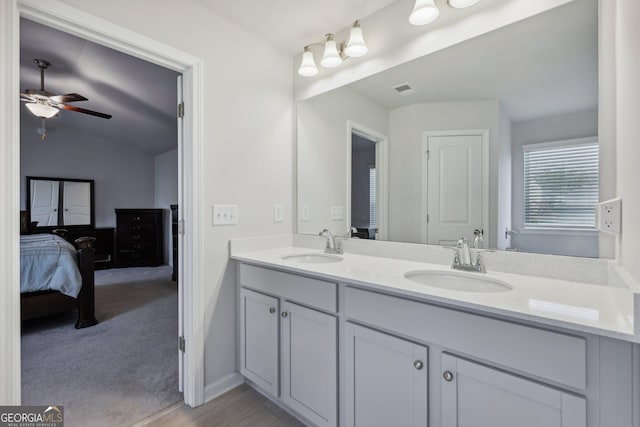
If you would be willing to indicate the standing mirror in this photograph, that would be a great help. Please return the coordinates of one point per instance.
(60, 202)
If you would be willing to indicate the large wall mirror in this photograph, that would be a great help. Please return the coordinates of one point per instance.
(60, 202)
(497, 135)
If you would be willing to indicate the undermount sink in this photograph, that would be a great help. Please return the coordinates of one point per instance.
(457, 282)
(313, 258)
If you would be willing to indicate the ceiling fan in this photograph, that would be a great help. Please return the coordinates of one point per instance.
(46, 105)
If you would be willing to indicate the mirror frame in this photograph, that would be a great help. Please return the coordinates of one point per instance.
(92, 222)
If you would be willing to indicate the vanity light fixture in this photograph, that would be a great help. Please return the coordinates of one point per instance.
(334, 53)
(331, 57)
(308, 66)
(424, 12)
(459, 4)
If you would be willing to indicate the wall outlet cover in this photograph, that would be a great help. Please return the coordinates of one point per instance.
(305, 213)
(610, 216)
(337, 213)
(278, 213)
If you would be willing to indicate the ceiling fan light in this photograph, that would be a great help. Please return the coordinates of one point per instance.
(308, 66)
(424, 12)
(331, 57)
(43, 111)
(356, 46)
(459, 4)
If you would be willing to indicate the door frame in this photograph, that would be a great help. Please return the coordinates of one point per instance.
(382, 171)
(90, 27)
(484, 133)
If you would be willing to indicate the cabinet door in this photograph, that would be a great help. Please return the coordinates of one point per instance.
(310, 363)
(259, 339)
(386, 380)
(476, 396)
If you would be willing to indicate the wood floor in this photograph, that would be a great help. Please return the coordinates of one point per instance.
(240, 407)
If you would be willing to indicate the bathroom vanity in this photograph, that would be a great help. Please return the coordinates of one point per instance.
(353, 340)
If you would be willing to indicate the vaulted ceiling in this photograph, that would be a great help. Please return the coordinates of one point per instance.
(141, 96)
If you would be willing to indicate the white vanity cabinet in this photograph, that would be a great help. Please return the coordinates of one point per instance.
(386, 380)
(474, 395)
(287, 348)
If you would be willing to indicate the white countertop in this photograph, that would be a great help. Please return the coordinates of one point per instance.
(597, 309)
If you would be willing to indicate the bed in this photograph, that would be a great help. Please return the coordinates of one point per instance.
(57, 276)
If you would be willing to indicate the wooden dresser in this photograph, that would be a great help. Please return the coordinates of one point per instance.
(139, 237)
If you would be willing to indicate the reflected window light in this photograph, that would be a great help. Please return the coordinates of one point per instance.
(565, 309)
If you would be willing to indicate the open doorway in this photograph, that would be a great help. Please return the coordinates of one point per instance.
(366, 182)
(134, 167)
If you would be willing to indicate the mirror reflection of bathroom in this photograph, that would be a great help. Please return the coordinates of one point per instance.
(364, 203)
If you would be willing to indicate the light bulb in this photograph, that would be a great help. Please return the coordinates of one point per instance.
(459, 4)
(308, 65)
(43, 111)
(356, 46)
(424, 12)
(331, 57)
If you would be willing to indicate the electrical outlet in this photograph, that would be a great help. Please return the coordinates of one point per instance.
(610, 216)
(278, 213)
(337, 213)
(225, 214)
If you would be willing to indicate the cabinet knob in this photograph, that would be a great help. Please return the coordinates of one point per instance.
(285, 314)
(272, 310)
(418, 364)
(447, 375)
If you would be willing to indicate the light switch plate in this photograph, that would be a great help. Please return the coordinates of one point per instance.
(278, 213)
(225, 214)
(610, 216)
(305, 213)
(337, 213)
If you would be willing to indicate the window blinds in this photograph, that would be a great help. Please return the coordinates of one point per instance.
(560, 186)
(372, 198)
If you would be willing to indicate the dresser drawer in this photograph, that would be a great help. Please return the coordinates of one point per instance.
(546, 354)
(305, 290)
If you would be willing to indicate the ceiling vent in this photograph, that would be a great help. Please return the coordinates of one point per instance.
(403, 89)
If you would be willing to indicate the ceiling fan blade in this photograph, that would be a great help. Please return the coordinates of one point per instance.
(26, 98)
(82, 110)
(70, 97)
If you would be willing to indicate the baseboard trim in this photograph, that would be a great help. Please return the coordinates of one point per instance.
(223, 385)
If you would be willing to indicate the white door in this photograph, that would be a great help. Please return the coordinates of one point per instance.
(455, 186)
(386, 380)
(76, 203)
(477, 396)
(310, 363)
(44, 202)
(259, 339)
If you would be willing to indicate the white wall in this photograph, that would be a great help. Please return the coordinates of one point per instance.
(322, 150)
(504, 181)
(248, 142)
(123, 176)
(628, 130)
(166, 193)
(406, 127)
(557, 128)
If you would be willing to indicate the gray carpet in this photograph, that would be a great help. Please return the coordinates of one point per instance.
(117, 372)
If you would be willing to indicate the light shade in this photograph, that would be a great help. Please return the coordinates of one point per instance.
(331, 57)
(424, 12)
(308, 65)
(43, 111)
(459, 4)
(356, 46)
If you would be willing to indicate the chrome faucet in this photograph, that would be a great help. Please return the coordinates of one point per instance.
(462, 258)
(478, 238)
(333, 246)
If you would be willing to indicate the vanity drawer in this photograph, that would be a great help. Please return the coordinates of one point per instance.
(550, 355)
(307, 291)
